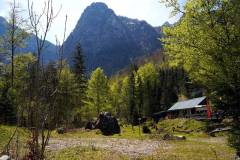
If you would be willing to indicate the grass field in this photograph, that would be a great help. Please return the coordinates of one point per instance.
(197, 129)
(197, 146)
(128, 132)
(6, 132)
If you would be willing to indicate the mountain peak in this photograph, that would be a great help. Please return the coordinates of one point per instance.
(96, 11)
(110, 41)
(99, 5)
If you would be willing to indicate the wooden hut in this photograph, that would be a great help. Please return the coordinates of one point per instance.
(197, 108)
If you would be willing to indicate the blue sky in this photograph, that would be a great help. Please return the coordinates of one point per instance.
(151, 11)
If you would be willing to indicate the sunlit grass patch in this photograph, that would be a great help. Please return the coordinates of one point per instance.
(5, 134)
(196, 150)
(182, 126)
(85, 153)
(128, 131)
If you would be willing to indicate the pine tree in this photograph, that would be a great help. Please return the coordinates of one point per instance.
(139, 94)
(7, 111)
(79, 73)
(134, 114)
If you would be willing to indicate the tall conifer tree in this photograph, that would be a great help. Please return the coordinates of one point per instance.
(79, 72)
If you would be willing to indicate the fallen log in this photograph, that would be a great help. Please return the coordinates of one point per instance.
(173, 137)
(184, 131)
(217, 130)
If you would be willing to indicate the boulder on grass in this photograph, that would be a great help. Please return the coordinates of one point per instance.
(61, 130)
(107, 124)
(89, 125)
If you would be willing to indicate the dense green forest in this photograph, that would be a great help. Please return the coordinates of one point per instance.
(139, 92)
(201, 56)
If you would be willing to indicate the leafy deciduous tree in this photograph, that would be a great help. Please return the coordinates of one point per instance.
(98, 91)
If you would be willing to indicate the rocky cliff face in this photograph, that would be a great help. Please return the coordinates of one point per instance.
(110, 41)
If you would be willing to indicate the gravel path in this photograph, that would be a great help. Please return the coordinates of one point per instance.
(132, 148)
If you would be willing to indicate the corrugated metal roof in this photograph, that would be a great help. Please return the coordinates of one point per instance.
(192, 103)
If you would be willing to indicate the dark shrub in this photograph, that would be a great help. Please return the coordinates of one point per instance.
(145, 129)
(234, 136)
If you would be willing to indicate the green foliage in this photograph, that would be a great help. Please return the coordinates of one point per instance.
(206, 42)
(22, 65)
(80, 86)
(98, 92)
(147, 85)
(115, 99)
(150, 89)
(14, 97)
(133, 110)
(234, 136)
(124, 95)
(7, 131)
(174, 4)
(65, 97)
(80, 77)
(7, 111)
